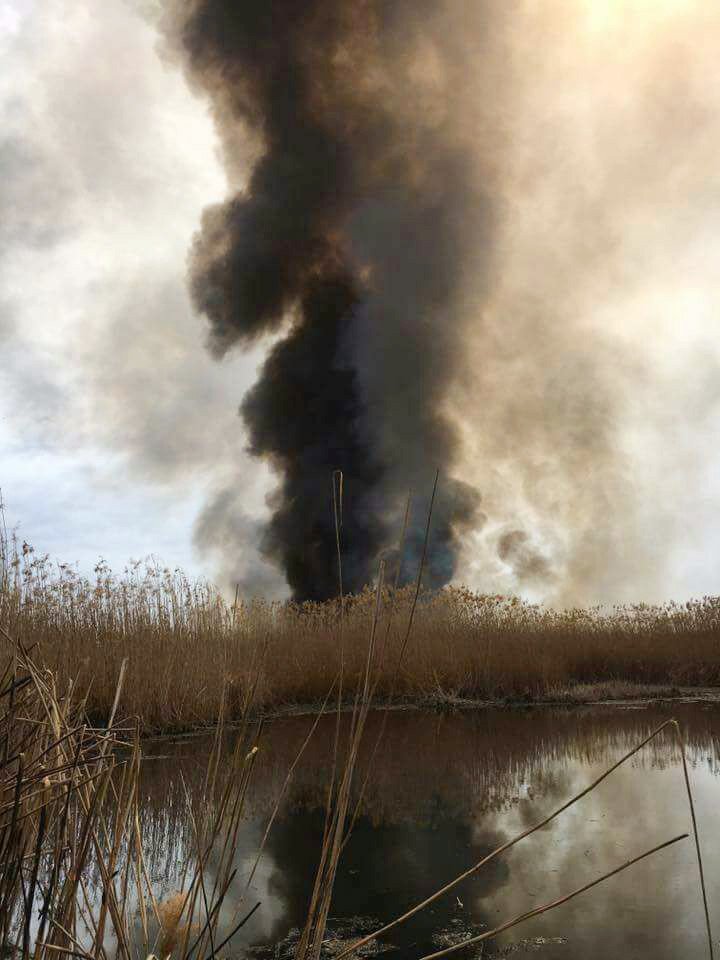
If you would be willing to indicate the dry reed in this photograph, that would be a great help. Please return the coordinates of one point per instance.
(70, 801)
(73, 880)
(464, 645)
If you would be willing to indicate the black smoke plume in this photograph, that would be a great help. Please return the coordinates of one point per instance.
(347, 240)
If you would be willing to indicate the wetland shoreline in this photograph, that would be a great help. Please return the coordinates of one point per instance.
(586, 695)
(189, 659)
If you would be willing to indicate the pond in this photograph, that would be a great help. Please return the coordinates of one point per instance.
(446, 790)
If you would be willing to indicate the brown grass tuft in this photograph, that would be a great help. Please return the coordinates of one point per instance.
(172, 930)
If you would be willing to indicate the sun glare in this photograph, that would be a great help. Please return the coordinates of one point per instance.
(607, 14)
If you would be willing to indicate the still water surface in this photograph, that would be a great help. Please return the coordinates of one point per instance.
(445, 791)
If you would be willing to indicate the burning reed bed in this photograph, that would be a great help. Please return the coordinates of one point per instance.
(464, 645)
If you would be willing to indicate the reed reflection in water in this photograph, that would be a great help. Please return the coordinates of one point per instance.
(444, 791)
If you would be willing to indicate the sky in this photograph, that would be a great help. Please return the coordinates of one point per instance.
(115, 423)
(589, 401)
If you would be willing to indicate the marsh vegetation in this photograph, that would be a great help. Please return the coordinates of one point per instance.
(114, 848)
(464, 645)
(90, 667)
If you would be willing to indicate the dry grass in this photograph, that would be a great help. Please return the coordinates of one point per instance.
(463, 644)
(71, 797)
(71, 830)
(73, 876)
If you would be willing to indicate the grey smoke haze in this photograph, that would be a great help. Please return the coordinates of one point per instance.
(580, 366)
(534, 184)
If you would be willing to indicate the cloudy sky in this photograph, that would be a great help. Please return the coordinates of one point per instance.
(115, 423)
(117, 426)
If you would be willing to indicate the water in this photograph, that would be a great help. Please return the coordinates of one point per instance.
(445, 791)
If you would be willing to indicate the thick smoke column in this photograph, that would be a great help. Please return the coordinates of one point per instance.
(576, 141)
(347, 239)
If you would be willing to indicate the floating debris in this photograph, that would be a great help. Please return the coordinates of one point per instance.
(339, 934)
(458, 931)
(527, 945)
